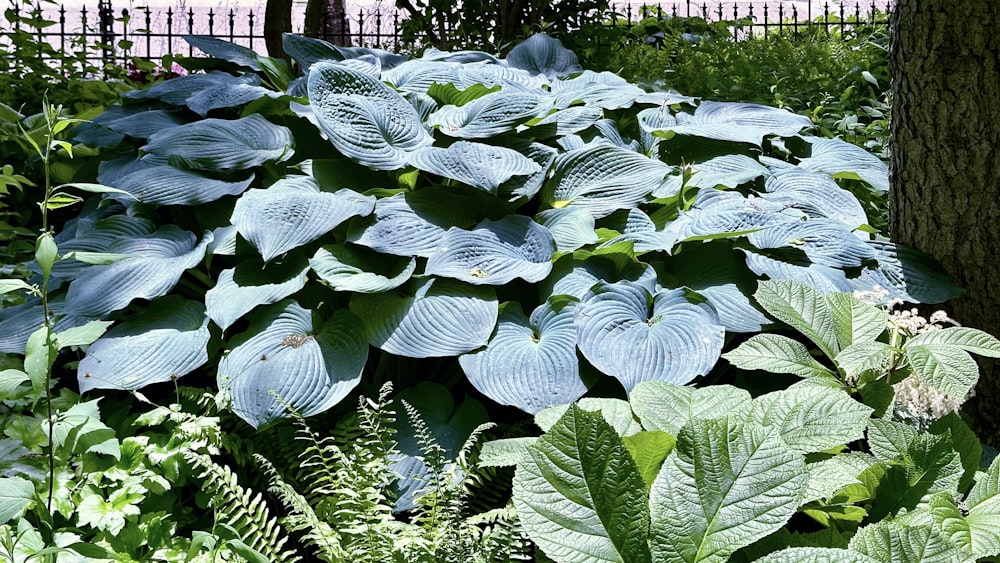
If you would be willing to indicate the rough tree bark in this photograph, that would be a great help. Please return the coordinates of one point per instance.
(945, 160)
(277, 21)
(328, 20)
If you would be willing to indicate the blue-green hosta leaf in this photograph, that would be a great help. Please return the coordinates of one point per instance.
(227, 97)
(895, 541)
(529, 363)
(571, 120)
(824, 279)
(724, 214)
(495, 252)
(293, 212)
(166, 185)
(603, 90)
(365, 119)
(222, 144)
(435, 317)
(907, 274)
(144, 124)
(947, 368)
(825, 242)
(726, 485)
(580, 496)
(17, 323)
(729, 170)
(811, 417)
(527, 186)
(308, 50)
(239, 290)
(571, 227)
(541, 54)
(481, 166)
(633, 336)
(493, 75)
(816, 555)
(154, 267)
(602, 179)
(96, 236)
(816, 194)
(176, 91)
(419, 75)
(163, 343)
(643, 234)
(841, 159)
(666, 407)
(290, 359)
(739, 122)
(656, 119)
(225, 50)
(802, 308)
(411, 224)
(489, 116)
(777, 354)
(346, 267)
(983, 518)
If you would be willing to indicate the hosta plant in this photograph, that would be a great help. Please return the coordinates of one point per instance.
(831, 468)
(541, 224)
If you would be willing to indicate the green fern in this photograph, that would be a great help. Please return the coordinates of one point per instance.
(241, 509)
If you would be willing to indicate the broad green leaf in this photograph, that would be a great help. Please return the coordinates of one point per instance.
(816, 555)
(601, 179)
(649, 449)
(541, 54)
(968, 339)
(811, 418)
(167, 341)
(633, 336)
(432, 317)
(290, 359)
(616, 412)
(945, 367)
(16, 495)
(79, 430)
(529, 363)
(347, 267)
(506, 452)
(930, 465)
(667, 407)
(365, 119)
(854, 321)
(888, 439)
(579, 494)
(725, 485)
(983, 518)
(830, 476)
(495, 252)
(11, 285)
(220, 144)
(293, 212)
(965, 442)
(893, 541)
(777, 354)
(481, 166)
(860, 357)
(239, 290)
(802, 308)
(10, 382)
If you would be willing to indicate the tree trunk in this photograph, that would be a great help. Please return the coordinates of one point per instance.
(328, 20)
(277, 22)
(945, 160)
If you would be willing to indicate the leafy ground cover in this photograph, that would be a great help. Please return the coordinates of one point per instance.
(240, 255)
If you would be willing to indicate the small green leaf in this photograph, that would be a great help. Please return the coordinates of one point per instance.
(82, 335)
(506, 452)
(16, 495)
(95, 188)
(649, 449)
(10, 381)
(983, 503)
(40, 354)
(96, 258)
(46, 252)
(9, 285)
(777, 354)
(861, 357)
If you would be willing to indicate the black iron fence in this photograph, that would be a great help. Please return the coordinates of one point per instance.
(114, 36)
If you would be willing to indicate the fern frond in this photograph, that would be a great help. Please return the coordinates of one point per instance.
(242, 509)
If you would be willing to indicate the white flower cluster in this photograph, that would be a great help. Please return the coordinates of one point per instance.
(908, 321)
(919, 404)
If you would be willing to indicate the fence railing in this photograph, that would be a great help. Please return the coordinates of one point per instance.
(115, 36)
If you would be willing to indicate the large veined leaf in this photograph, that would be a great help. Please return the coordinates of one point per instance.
(854, 321)
(816, 555)
(580, 496)
(16, 494)
(308, 50)
(491, 115)
(895, 541)
(739, 122)
(841, 159)
(436, 317)
(722, 214)
(95, 236)
(411, 224)
(968, 339)
(983, 518)
(571, 227)
(777, 354)
(931, 465)
(643, 233)
(293, 212)
(154, 266)
(907, 274)
(729, 170)
(364, 118)
(602, 179)
(541, 54)
(144, 124)
(527, 186)
(603, 90)
(166, 185)
(419, 75)
(570, 120)
(176, 91)
(495, 252)
(529, 363)
(802, 308)
(822, 278)
(816, 194)
(225, 50)
(239, 290)
(163, 343)
(948, 369)
(725, 485)
(346, 267)
(634, 336)
(824, 241)
(616, 412)
(481, 166)
(222, 144)
(812, 417)
(289, 358)
(227, 97)
(668, 408)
